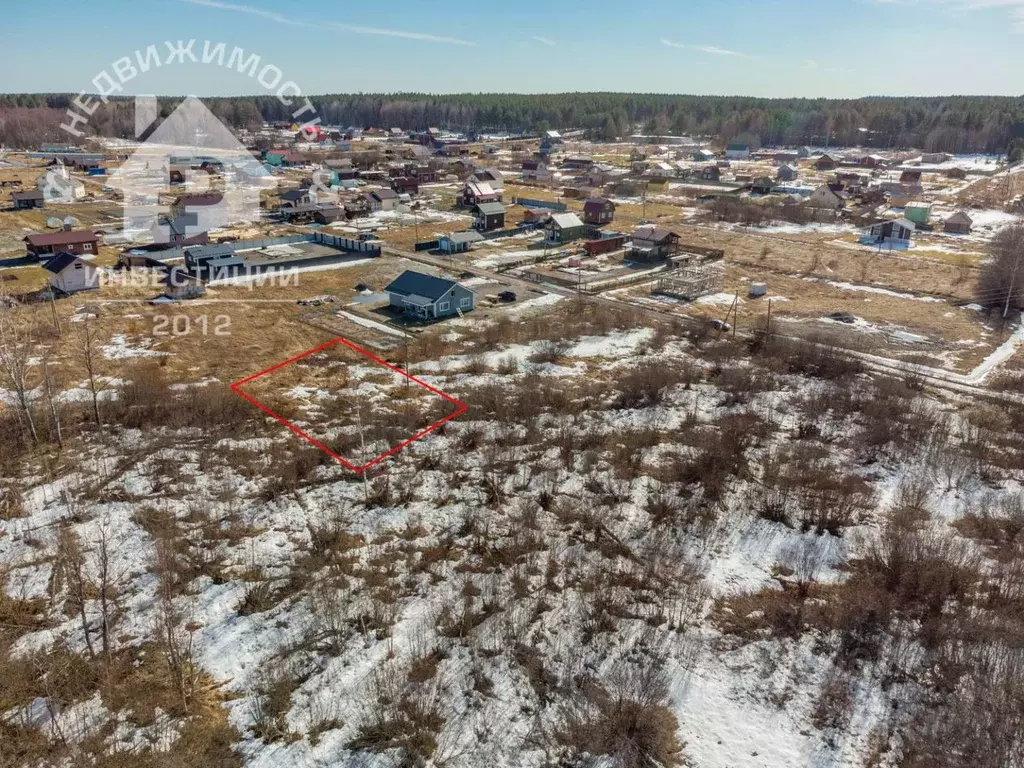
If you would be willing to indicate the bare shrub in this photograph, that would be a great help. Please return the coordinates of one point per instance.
(548, 352)
(624, 718)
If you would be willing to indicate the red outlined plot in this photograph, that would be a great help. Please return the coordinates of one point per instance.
(460, 407)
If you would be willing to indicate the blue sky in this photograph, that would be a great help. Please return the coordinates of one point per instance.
(838, 48)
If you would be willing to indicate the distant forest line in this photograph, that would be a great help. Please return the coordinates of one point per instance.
(960, 124)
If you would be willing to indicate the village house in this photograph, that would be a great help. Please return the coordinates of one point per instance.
(427, 297)
(27, 199)
(786, 173)
(294, 198)
(935, 158)
(958, 224)
(405, 185)
(910, 181)
(383, 200)
(803, 153)
(597, 211)
(58, 185)
(652, 244)
(702, 156)
(563, 228)
(488, 216)
(828, 196)
(491, 176)
(459, 242)
(661, 170)
(174, 232)
(326, 213)
(357, 207)
(894, 235)
(956, 173)
(536, 215)
(871, 161)
(536, 170)
(826, 163)
(711, 173)
(762, 185)
(423, 174)
(474, 193)
(180, 285)
(79, 243)
(70, 274)
(737, 152)
(577, 163)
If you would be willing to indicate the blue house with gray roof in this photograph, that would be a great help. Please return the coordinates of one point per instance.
(429, 298)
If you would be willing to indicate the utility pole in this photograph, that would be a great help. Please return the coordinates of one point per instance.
(362, 448)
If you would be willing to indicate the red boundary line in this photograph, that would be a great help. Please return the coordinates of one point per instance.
(459, 410)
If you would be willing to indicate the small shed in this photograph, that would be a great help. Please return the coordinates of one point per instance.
(27, 199)
(459, 242)
(919, 213)
(958, 224)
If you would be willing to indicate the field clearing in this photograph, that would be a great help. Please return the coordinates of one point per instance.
(896, 326)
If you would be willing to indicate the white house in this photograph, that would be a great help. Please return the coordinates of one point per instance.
(893, 235)
(737, 152)
(59, 186)
(828, 197)
(661, 170)
(536, 171)
(491, 176)
(383, 200)
(70, 274)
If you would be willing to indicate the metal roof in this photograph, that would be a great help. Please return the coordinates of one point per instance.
(60, 262)
(61, 238)
(469, 236)
(566, 220)
(416, 300)
(490, 209)
(416, 286)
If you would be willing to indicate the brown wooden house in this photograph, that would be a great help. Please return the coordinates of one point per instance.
(80, 243)
(598, 211)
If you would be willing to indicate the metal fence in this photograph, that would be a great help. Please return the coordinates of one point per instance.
(528, 203)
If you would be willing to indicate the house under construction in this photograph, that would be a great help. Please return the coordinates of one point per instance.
(690, 281)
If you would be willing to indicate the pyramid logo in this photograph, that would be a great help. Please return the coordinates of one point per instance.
(188, 176)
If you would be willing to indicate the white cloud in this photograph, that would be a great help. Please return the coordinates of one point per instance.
(543, 40)
(279, 18)
(720, 51)
(712, 49)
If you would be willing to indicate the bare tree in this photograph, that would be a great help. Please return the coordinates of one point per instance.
(71, 568)
(87, 352)
(1001, 284)
(54, 410)
(15, 350)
